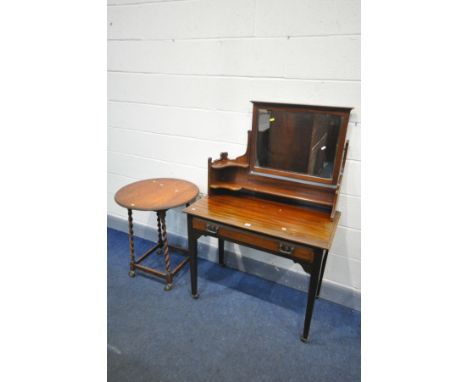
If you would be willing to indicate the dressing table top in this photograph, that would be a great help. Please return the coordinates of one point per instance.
(280, 220)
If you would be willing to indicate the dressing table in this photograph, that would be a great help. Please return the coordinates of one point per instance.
(281, 195)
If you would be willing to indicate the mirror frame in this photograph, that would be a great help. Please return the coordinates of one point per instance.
(339, 111)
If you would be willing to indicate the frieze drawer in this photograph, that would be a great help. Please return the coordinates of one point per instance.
(257, 240)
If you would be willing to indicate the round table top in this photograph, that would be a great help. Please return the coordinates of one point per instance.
(156, 194)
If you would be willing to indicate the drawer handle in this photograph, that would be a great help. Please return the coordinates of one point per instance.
(286, 249)
(212, 228)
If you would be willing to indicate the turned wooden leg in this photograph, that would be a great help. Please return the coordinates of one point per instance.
(132, 244)
(314, 271)
(167, 259)
(160, 241)
(192, 247)
(221, 252)
(325, 256)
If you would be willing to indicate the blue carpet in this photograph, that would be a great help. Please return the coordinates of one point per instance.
(242, 328)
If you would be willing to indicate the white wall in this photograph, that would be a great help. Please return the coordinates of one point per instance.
(181, 75)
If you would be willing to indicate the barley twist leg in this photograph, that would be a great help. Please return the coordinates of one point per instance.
(167, 259)
(159, 230)
(132, 244)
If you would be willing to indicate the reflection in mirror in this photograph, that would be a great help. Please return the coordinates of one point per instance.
(297, 141)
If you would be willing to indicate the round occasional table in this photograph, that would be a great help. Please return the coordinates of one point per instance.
(156, 195)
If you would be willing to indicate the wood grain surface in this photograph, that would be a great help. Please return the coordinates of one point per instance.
(156, 194)
(289, 222)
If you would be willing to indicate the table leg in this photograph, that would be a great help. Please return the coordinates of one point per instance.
(159, 229)
(192, 247)
(132, 244)
(221, 252)
(325, 256)
(315, 271)
(167, 259)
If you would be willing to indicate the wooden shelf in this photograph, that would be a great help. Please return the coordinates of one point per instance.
(313, 196)
(226, 186)
(228, 163)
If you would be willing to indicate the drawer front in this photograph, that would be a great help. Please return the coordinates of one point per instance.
(279, 247)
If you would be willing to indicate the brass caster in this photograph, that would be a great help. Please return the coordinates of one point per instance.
(195, 296)
(168, 287)
(132, 273)
(305, 340)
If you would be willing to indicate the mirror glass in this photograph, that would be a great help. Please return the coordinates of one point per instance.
(297, 141)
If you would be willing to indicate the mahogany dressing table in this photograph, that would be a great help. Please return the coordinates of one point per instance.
(281, 195)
